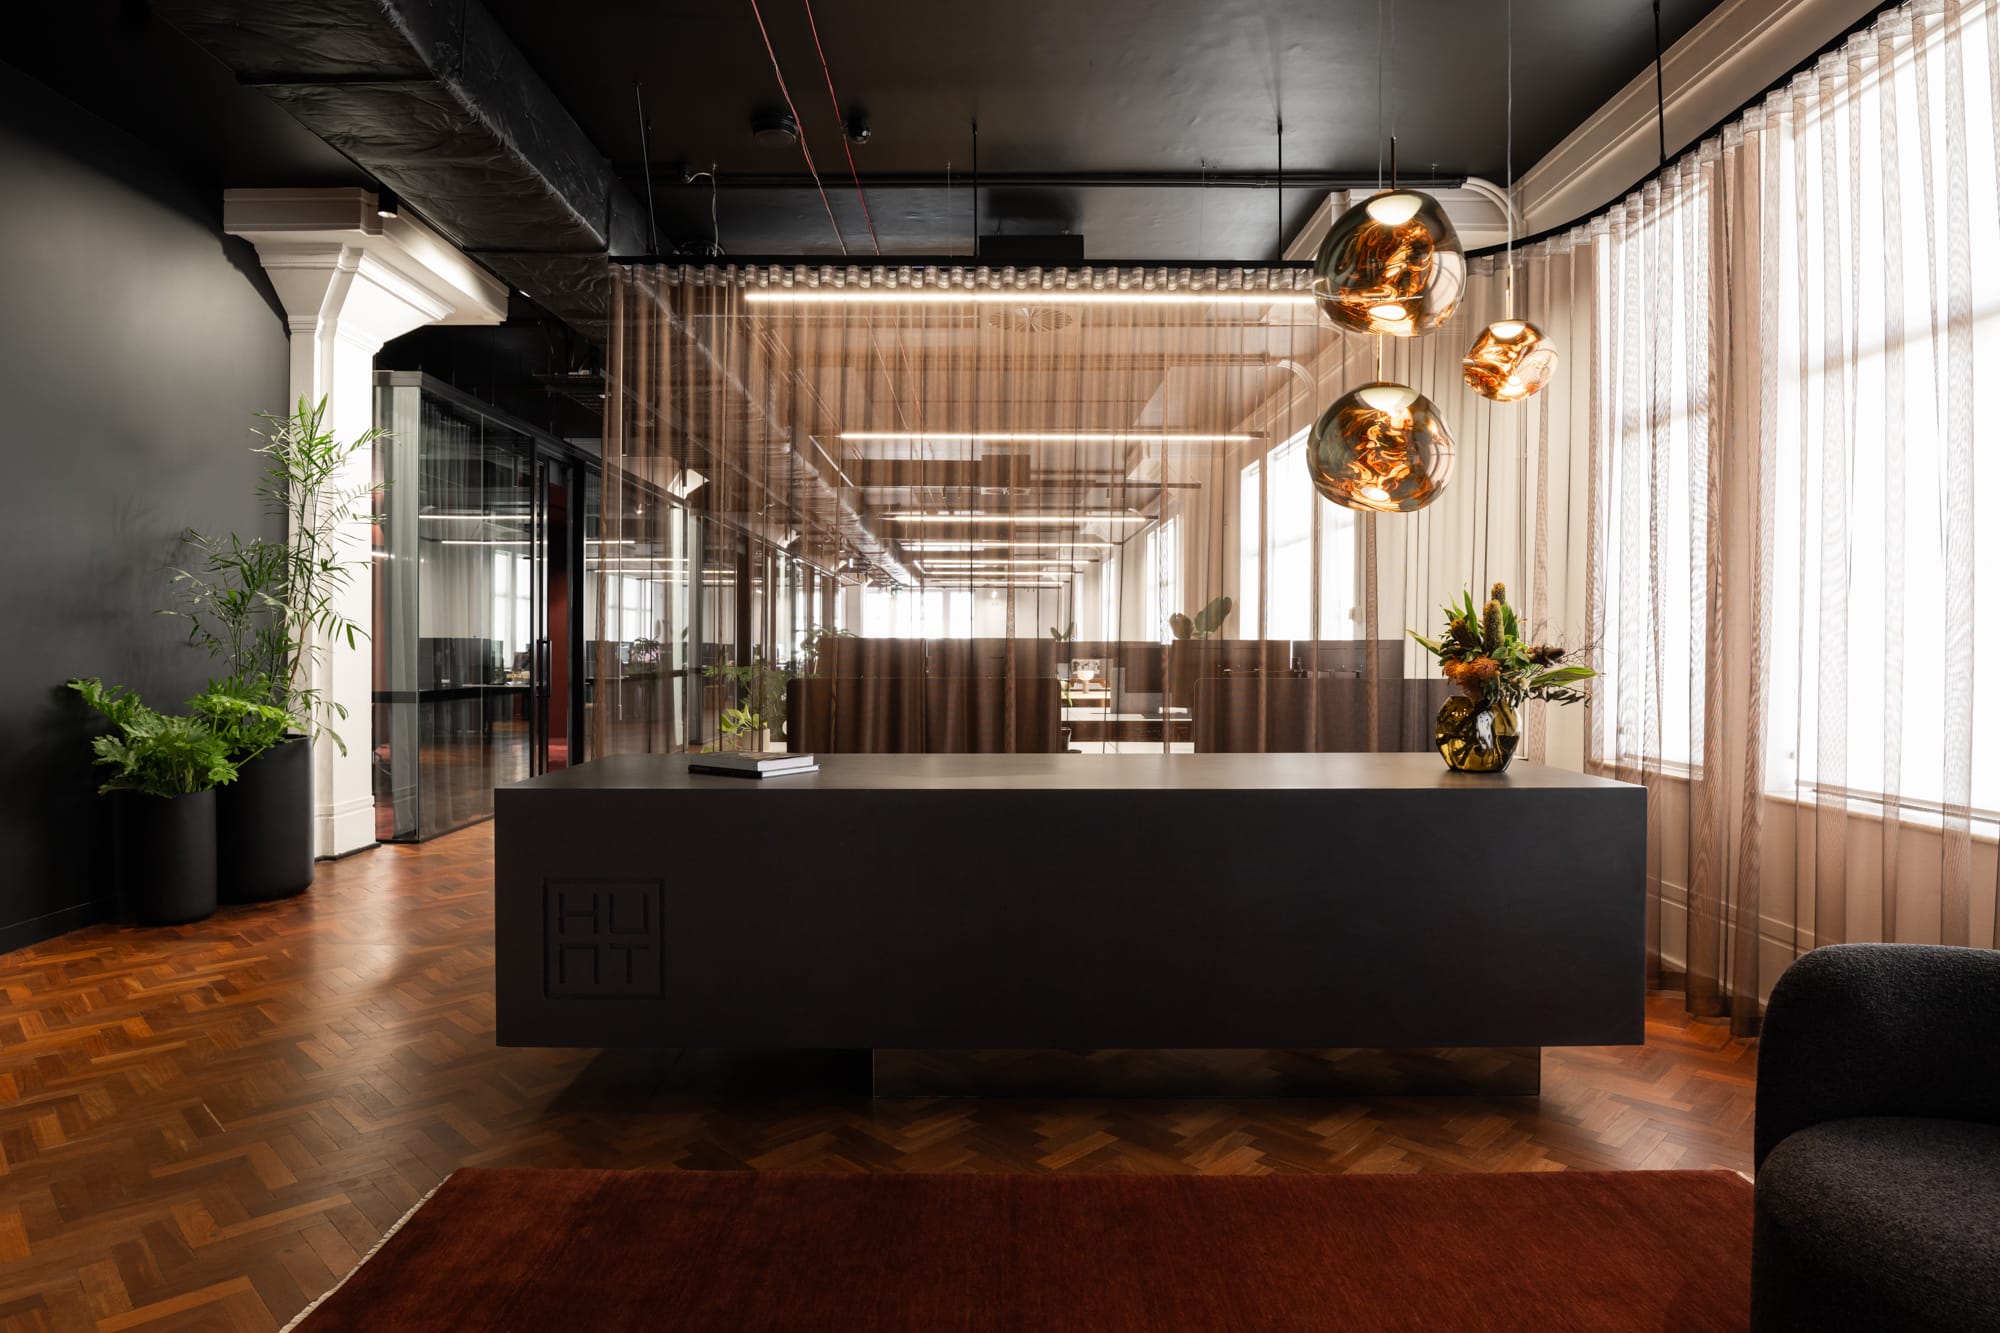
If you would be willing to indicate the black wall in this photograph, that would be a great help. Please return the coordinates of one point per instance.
(136, 341)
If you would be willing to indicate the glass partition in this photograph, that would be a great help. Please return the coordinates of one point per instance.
(475, 626)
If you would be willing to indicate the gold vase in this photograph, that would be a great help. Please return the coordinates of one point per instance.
(1477, 737)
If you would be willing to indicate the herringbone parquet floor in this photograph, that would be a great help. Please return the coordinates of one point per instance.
(204, 1127)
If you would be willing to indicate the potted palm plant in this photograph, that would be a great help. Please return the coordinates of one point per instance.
(268, 611)
(164, 772)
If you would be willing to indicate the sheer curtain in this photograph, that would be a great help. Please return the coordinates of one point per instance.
(994, 475)
(1795, 461)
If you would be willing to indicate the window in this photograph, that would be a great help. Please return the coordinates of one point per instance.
(1864, 347)
(1161, 585)
(1291, 505)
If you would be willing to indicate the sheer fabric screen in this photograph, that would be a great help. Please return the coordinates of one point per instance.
(998, 475)
(1795, 589)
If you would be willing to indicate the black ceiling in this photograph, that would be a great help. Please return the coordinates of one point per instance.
(112, 58)
(1070, 86)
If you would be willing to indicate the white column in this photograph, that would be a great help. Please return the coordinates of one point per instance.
(350, 280)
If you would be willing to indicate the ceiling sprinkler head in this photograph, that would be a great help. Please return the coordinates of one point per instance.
(774, 129)
(858, 131)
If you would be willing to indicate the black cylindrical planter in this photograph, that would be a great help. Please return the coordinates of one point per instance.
(263, 826)
(166, 857)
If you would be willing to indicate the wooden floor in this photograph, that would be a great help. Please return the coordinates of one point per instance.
(206, 1126)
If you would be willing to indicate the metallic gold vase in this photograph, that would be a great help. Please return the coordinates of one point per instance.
(1477, 737)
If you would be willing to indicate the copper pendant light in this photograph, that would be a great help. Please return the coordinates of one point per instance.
(1382, 447)
(1391, 264)
(1511, 358)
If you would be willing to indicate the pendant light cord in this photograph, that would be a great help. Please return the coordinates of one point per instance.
(1660, 81)
(646, 156)
(1510, 158)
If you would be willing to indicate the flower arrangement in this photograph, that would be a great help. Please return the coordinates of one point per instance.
(1494, 669)
(1485, 656)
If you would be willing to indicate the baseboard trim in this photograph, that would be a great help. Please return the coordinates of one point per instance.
(35, 930)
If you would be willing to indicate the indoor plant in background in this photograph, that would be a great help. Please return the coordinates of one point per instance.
(1494, 670)
(164, 772)
(268, 610)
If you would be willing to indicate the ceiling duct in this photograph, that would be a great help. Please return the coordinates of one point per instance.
(434, 100)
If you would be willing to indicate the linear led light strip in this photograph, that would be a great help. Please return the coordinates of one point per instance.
(1004, 544)
(1027, 296)
(523, 541)
(1050, 437)
(1072, 519)
(1025, 562)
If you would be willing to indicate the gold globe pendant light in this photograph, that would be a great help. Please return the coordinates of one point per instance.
(1391, 264)
(1511, 358)
(1383, 448)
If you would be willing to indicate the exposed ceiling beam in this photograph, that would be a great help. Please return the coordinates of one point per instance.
(435, 101)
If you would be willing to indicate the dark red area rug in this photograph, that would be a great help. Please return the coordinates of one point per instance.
(576, 1250)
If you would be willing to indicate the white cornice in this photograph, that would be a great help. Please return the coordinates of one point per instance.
(308, 228)
(1725, 61)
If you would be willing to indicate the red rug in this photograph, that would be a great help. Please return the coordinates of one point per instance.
(576, 1250)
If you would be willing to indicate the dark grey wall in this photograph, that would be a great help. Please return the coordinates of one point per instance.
(135, 343)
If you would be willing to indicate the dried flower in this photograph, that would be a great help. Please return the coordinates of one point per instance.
(1499, 593)
(1492, 622)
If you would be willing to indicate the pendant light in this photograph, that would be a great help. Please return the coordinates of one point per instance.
(1382, 447)
(1391, 264)
(1511, 358)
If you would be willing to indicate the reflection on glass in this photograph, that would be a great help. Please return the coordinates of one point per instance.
(460, 601)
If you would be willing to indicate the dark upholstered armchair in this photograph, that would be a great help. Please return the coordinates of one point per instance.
(1878, 1142)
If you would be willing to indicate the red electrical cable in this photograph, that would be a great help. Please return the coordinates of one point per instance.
(840, 125)
(803, 146)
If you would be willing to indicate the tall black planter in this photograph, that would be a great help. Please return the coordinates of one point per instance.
(165, 852)
(263, 826)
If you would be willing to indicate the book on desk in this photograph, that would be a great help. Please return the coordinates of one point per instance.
(753, 764)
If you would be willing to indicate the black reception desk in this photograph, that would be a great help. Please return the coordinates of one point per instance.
(1071, 901)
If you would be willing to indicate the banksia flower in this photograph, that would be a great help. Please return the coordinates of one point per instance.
(1492, 621)
(1499, 593)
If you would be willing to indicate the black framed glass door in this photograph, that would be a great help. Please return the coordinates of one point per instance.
(478, 544)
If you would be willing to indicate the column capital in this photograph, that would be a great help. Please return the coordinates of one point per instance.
(337, 263)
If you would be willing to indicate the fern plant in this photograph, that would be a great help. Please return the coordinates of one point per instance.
(153, 753)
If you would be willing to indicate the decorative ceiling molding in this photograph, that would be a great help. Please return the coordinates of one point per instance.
(309, 229)
(1729, 58)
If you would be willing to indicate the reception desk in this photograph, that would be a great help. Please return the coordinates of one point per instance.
(1071, 901)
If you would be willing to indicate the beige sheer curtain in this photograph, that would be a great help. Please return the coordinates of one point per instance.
(948, 464)
(1795, 462)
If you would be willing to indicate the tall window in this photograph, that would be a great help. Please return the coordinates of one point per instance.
(1161, 584)
(1287, 543)
(1856, 495)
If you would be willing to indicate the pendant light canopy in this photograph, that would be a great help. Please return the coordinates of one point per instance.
(1381, 447)
(1511, 360)
(1391, 264)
